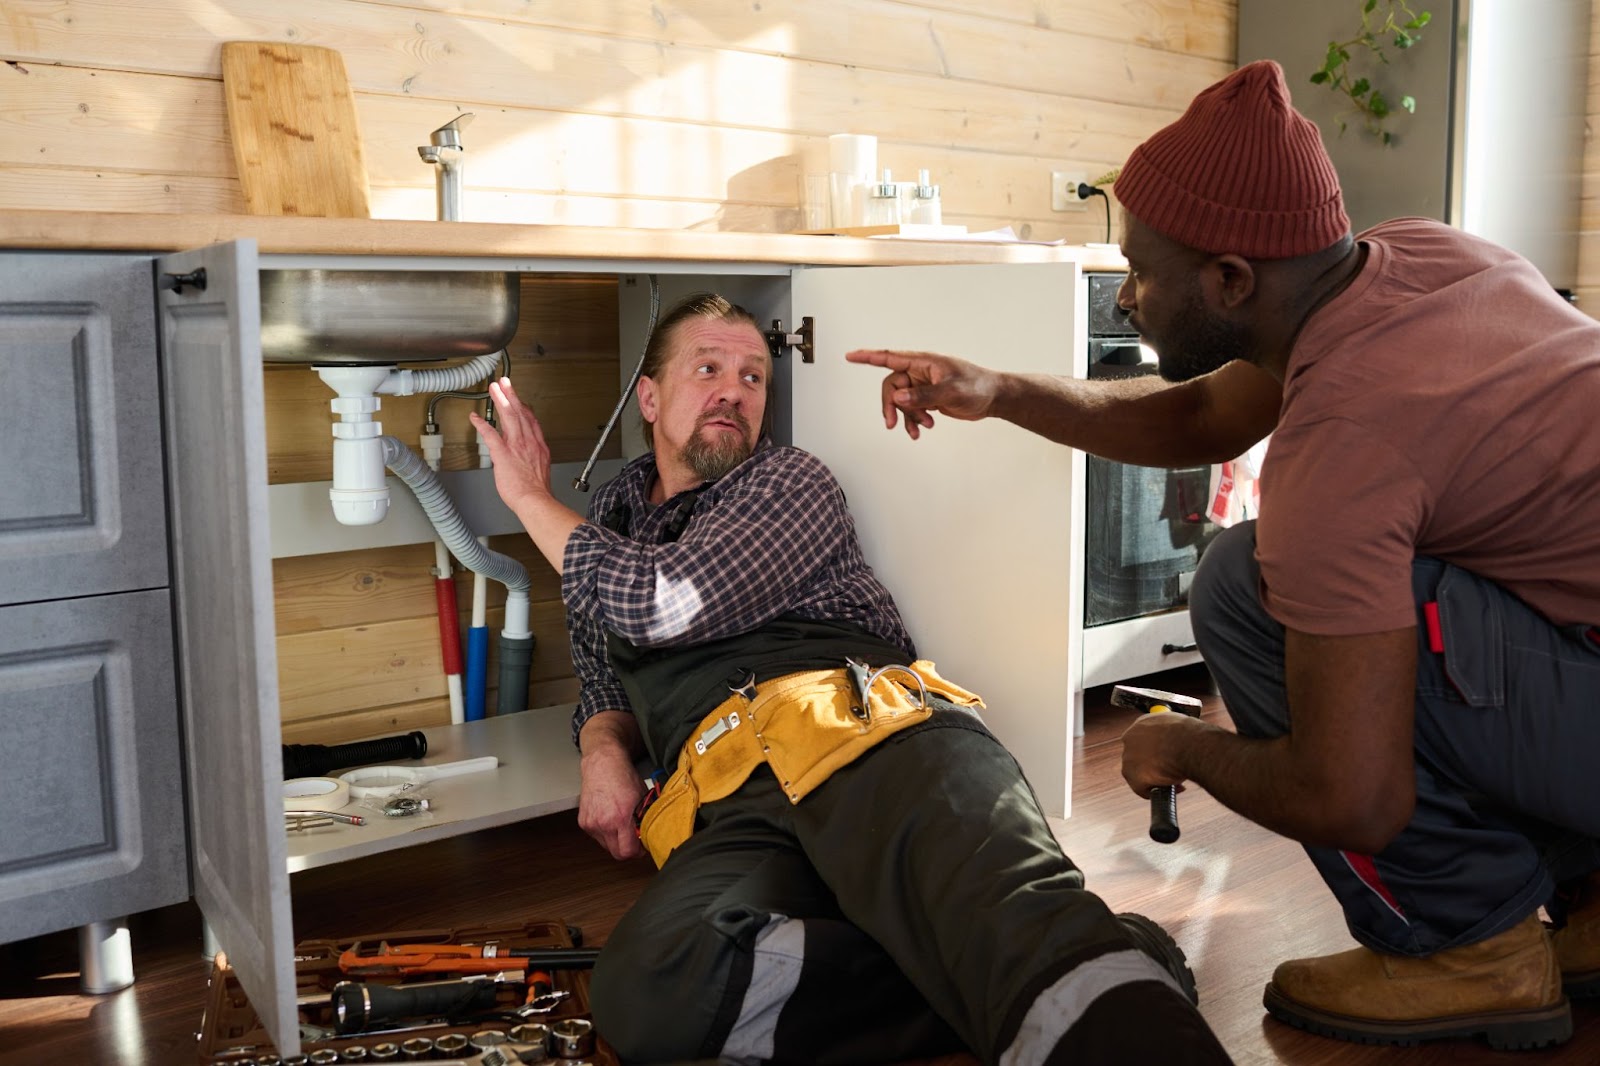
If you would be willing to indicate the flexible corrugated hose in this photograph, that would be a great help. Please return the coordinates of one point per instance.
(441, 510)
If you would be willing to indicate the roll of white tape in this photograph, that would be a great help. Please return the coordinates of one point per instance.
(315, 794)
(379, 782)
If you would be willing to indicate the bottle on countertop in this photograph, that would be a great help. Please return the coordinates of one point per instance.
(883, 203)
(924, 207)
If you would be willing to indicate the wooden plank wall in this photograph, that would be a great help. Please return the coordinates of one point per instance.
(698, 114)
(689, 114)
(1588, 289)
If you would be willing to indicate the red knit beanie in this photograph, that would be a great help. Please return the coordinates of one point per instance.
(1242, 171)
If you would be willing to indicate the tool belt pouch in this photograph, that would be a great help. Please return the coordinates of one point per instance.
(804, 726)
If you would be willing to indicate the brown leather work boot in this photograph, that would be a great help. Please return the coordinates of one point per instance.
(1578, 942)
(1506, 989)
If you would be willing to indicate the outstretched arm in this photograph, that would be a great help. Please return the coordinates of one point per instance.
(1144, 420)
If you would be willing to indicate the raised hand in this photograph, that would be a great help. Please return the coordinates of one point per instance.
(517, 447)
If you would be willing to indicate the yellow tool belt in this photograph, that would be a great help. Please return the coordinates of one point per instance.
(804, 725)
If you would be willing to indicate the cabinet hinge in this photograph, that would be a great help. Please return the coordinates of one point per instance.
(780, 340)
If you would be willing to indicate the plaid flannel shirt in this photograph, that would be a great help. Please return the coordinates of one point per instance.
(773, 537)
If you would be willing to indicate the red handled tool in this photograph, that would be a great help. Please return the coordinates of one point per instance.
(385, 959)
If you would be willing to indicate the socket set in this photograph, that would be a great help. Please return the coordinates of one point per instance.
(474, 996)
(570, 1042)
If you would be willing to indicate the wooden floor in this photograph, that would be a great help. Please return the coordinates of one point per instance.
(1238, 899)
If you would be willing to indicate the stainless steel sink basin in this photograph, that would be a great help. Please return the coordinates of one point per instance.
(362, 317)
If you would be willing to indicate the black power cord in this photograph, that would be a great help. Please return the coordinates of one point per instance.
(1085, 190)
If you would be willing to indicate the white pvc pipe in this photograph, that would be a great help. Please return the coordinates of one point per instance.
(447, 379)
(458, 700)
(360, 492)
(517, 615)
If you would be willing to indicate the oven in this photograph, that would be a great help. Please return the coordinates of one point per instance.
(1145, 528)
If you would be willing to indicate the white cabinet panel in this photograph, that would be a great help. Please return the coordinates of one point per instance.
(1139, 646)
(969, 526)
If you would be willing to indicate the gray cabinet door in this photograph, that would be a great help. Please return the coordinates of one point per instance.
(81, 504)
(90, 779)
(227, 646)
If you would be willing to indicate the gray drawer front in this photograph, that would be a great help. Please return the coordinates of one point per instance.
(90, 774)
(82, 495)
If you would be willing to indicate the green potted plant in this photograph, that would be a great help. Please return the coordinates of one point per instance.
(1400, 26)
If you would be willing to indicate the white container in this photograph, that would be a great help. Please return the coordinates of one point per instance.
(852, 162)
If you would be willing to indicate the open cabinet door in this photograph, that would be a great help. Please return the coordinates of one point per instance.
(227, 647)
(969, 527)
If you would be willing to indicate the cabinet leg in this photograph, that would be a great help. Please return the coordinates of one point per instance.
(1077, 713)
(210, 946)
(105, 953)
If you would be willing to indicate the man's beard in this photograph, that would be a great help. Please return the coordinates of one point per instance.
(1198, 342)
(713, 458)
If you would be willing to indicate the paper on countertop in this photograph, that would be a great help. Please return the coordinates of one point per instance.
(1004, 235)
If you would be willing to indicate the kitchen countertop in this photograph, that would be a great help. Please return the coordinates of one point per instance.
(117, 231)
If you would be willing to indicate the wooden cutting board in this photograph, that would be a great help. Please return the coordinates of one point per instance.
(295, 137)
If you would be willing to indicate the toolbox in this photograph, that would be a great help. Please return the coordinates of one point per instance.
(559, 1024)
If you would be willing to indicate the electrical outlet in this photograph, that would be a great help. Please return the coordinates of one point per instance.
(1064, 190)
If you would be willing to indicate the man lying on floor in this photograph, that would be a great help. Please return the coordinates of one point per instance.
(853, 870)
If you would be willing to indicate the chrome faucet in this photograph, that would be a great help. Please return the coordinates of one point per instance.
(444, 151)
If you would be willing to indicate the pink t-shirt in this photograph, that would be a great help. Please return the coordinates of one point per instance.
(1447, 403)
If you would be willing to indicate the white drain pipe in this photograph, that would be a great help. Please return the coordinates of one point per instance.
(360, 493)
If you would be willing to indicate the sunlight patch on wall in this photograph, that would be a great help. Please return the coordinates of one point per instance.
(665, 162)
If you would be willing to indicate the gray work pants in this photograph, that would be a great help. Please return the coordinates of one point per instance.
(915, 904)
(1507, 751)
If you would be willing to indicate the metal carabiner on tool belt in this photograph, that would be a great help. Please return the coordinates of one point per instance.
(864, 677)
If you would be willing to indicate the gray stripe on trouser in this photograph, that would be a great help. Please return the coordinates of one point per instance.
(780, 952)
(1059, 1007)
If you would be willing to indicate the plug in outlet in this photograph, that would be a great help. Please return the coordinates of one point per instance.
(1064, 190)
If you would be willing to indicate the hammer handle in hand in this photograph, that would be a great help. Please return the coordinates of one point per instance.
(1164, 814)
(1163, 798)
(1163, 803)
